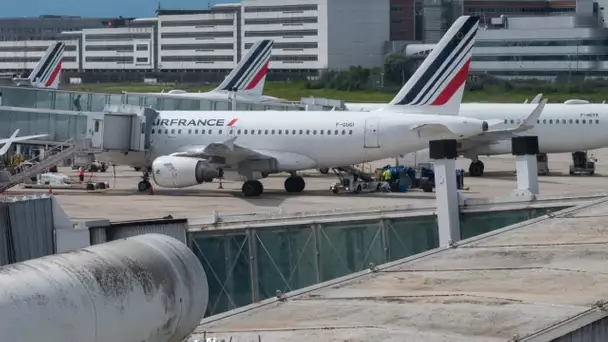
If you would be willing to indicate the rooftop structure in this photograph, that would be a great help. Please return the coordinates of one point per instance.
(534, 281)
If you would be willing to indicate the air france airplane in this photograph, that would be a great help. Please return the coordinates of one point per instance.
(246, 81)
(47, 73)
(192, 147)
(561, 128)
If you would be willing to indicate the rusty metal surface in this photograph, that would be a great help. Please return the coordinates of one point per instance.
(522, 281)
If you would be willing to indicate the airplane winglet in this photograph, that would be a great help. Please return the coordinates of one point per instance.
(230, 143)
(530, 121)
(527, 124)
(537, 98)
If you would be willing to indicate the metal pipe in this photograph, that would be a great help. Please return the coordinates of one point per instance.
(146, 288)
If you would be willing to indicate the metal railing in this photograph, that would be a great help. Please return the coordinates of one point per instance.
(51, 157)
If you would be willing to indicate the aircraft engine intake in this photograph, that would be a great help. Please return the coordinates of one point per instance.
(182, 172)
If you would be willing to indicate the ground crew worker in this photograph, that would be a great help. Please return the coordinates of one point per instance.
(387, 175)
(81, 174)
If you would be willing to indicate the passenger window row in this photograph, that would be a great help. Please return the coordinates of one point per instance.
(558, 121)
(259, 132)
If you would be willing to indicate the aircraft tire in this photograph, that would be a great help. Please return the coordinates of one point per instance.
(252, 188)
(144, 186)
(295, 184)
(476, 169)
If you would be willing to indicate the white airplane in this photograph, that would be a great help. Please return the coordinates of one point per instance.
(47, 73)
(13, 139)
(561, 128)
(246, 81)
(192, 147)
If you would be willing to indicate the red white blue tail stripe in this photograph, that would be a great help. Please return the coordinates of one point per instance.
(445, 70)
(47, 72)
(251, 70)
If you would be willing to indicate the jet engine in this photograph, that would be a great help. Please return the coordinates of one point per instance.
(182, 172)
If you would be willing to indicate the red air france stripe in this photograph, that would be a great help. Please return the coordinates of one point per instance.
(453, 86)
(53, 75)
(232, 122)
(258, 77)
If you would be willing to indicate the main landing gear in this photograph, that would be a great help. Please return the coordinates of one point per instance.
(252, 188)
(295, 184)
(145, 184)
(476, 168)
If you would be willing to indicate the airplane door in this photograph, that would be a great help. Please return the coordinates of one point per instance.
(372, 133)
(97, 137)
(170, 137)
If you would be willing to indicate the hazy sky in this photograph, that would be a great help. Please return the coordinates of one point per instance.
(97, 8)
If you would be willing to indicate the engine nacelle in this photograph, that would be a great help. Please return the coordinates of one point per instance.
(181, 172)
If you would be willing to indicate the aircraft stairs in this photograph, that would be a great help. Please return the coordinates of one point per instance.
(364, 176)
(55, 156)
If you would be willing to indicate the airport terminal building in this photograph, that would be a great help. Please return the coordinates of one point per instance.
(517, 38)
(310, 35)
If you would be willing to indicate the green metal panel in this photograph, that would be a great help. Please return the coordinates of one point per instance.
(285, 260)
(227, 265)
(410, 236)
(348, 248)
(473, 224)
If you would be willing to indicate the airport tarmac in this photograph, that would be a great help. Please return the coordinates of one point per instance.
(124, 202)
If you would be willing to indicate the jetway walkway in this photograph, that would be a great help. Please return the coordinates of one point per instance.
(8, 181)
(95, 102)
(68, 114)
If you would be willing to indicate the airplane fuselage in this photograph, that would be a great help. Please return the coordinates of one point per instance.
(298, 140)
(561, 128)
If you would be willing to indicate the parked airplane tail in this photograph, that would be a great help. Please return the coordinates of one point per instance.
(13, 139)
(47, 72)
(438, 84)
(249, 75)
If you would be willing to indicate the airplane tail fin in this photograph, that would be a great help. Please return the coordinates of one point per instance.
(438, 84)
(249, 75)
(13, 139)
(47, 72)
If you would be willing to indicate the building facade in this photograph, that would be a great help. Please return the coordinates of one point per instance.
(49, 27)
(309, 35)
(537, 47)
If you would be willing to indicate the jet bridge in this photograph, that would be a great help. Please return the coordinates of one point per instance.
(121, 134)
(122, 128)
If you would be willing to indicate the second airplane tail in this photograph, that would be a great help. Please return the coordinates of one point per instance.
(47, 72)
(437, 86)
(249, 75)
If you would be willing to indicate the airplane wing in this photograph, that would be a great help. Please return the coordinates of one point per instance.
(8, 142)
(431, 129)
(227, 149)
(497, 134)
(229, 155)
